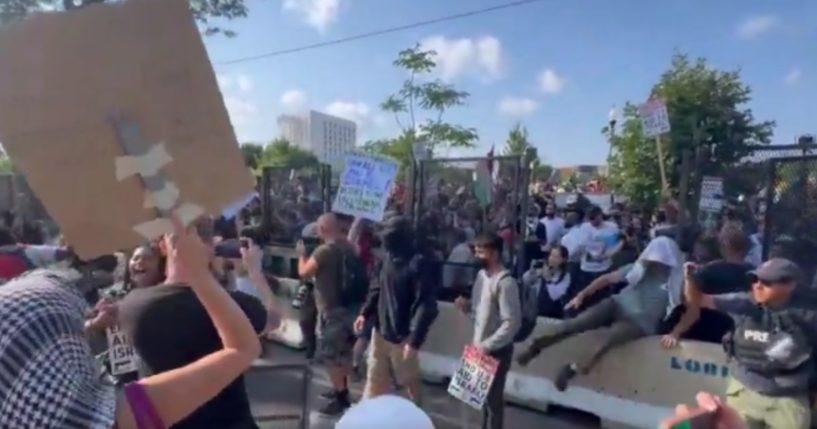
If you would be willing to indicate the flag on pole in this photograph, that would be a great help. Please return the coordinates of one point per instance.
(483, 179)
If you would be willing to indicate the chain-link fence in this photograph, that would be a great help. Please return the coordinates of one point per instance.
(790, 213)
(293, 198)
(773, 193)
(460, 198)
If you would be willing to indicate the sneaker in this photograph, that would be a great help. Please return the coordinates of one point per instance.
(328, 395)
(338, 405)
(565, 375)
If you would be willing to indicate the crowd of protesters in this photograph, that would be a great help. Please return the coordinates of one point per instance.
(193, 305)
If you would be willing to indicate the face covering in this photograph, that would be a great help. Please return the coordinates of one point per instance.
(482, 262)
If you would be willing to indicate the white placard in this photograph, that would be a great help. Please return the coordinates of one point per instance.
(474, 377)
(711, 194)
(121, 355)
(654, 117)
(365, 186)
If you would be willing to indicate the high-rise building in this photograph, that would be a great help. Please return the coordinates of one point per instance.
(329, 137)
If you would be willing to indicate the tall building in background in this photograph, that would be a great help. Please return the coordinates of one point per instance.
(329, 137)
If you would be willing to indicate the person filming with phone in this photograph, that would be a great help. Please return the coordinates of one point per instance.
(771, 346)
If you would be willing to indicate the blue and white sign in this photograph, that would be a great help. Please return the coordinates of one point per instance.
(365, 186)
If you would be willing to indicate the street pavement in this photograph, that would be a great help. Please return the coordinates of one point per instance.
(279, 392)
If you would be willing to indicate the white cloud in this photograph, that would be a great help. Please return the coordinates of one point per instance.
(239, 81)
(517, 107)
(755, 26)
(356, 111)
(319, 14)
(245, 83)
(294, 101)
(793, 76)
(456, 57)
(550, 82)
(242, 113)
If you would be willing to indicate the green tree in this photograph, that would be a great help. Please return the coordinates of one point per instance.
(281, 153)
(518, 144)
(252, 153)
(707, 109)
(203, 10)
(420, 105)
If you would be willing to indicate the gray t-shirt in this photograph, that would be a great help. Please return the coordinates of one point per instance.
(496, 309)
(645, 299)
(803, 307)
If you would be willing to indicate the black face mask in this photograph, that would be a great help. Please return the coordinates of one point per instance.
(482, 262)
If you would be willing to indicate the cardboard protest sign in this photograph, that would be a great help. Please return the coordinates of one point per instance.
(114, 115)
(365, 186)
(654, 117)
(474, 377)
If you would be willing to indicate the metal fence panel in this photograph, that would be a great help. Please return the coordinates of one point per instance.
(463, 197)
(293, 198)
(791, 211)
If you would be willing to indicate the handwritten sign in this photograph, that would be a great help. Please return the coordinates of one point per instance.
(122, 357)
(472, 381)
(654, 117)
(365, 186)
(711, 194)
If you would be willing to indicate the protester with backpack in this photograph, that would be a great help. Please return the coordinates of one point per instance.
(497, 310)
(402, 304)
(341, 286)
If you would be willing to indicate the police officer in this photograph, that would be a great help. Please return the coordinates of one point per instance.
(771, 346)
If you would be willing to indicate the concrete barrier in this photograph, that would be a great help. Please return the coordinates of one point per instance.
(635, 385)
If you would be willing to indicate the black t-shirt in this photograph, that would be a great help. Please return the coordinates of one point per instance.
(719, 277)
(169, 328)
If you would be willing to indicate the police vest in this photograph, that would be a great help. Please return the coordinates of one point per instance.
(771, 343)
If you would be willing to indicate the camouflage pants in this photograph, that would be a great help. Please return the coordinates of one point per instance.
(336, 337)
(768, 412)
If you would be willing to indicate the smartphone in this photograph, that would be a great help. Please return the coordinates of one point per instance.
(698, 419)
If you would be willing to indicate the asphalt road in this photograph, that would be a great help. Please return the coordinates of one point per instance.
(279, 393)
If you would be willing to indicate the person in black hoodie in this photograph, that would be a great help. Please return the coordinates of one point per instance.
(402, 302)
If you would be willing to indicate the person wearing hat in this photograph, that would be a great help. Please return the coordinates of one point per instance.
(387, 411)
(771, 346)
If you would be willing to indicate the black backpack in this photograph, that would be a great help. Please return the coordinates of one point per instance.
(354, 280)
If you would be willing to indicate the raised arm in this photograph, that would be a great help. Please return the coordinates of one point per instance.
(176, 394)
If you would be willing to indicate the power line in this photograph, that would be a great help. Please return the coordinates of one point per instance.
(379, 32)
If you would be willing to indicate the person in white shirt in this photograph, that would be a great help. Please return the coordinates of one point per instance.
(554, 225)
(598, 243)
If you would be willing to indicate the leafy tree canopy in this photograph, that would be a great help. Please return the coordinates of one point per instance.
(281, 153)
(204, 10)
(421, 104)
(707, 108)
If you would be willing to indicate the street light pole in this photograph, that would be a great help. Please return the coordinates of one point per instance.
(612, 117)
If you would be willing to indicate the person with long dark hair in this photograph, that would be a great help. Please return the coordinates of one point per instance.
(555, 284)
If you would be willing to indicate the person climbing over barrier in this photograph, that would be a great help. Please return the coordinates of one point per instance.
(631, 314)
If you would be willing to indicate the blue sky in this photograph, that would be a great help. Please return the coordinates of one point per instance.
(557, 66)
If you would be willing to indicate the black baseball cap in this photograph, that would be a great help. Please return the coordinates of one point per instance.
(777, 271)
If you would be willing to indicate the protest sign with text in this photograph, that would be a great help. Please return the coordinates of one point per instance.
(474, 377)
(365, 186)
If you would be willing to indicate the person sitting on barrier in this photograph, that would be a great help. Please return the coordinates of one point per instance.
(496, 308)
(51, 380)
(772, 345)
(552, 281)
(402, 304)
(632, 314)
(718, 277)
